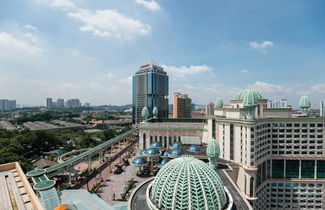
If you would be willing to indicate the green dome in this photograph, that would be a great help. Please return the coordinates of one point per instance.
(218, 103)
(187, 183)
(155, 112)
(213, 149)
(304, 102)
(248, 93)
(145, 112)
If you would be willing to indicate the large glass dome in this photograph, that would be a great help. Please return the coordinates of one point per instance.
(187, 183)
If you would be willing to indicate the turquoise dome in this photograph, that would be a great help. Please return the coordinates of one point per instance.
(247, 93)
(218, 103)
(156, 144)
(194, 148)
(155, 112)
(152, 152)
(187, 183)
(163, 162)
(304, 102)
(213, 149)
(139, 161)
(177, 145)
(177, 152)
(145, 112)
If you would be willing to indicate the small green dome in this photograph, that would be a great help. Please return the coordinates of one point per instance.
(304, 102)
(145, 112)
(253, 93)
(218, 103)
(187, 183)
(155, 112)
(213, 149)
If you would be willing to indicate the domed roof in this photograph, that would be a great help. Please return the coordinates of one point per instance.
(165, 154)
(156, 144)
(152, 152)
(177, 152)
(247, 93)
(155, 112)
(187, 183)
(142, 153)
(145, 112)
(193, 148)
(139, 161)
(213, 149)
(163, 162)
(304, 102)
(218, 103)
(177, 145)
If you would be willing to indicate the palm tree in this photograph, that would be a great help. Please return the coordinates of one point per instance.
(86, 174)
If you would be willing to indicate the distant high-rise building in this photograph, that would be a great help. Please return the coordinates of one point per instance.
(209, 109)
(280, 103)
(150, 89)
(72, 103)
(49, 104)
(182, 106)
(322, 109)
(87, 104)
(7, 105)
(60, 103)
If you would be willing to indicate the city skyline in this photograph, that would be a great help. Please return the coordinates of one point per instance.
(61, 48)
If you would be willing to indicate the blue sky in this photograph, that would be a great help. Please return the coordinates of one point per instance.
(89, 49)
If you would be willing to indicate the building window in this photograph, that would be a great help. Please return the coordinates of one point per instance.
(292, 169)
(277, 168)
(307, 168)
(321, 169)
(144, 140)
(251, 190)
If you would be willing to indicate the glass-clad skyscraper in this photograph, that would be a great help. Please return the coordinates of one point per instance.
(150, 88)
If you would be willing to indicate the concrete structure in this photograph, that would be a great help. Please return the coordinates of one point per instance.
(279, 103)
(73, 103)
(322, 109)
(209, 109)
(15, 190)
(182, 106)
(49, 103)
(60, 103)
(150, 89)
(7, 105)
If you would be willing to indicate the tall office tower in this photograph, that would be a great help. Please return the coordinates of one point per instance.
(322, 109)
(209, 109)
(4, 104)
(182, 106)
(72, 103)
(150, 89)
(280, 103)
(49, 103)
(60, 103)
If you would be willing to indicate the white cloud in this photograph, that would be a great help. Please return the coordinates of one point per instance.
(31, 37)
(127, 80)
(110, 75)
(182, 71)
(33, 28)
(110, 23)
(150, 4)
(261, 46)
(268, 88)
(13, 47)
(320, 88)
(62, 3)
(244, 71)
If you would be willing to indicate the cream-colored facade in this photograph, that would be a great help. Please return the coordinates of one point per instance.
(281, 155)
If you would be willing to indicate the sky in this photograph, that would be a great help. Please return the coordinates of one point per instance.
(89, 49)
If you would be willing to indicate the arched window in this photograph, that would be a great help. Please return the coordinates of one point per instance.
(144, 140)
(156, 138)
(170, 141)
(245, 184)
(251, 190)
(179, 139)
(175, 139)
(150, 140)
(160, 139)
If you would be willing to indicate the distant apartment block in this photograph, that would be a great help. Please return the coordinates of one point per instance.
(72, 103)
(279, 103)
(60, 103)
(7, 105)
(49, 103)
(209, 109)
(182, 106)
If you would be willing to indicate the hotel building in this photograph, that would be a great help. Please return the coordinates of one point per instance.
(280, 155)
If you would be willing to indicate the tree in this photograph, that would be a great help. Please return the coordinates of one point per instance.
(86, 174)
